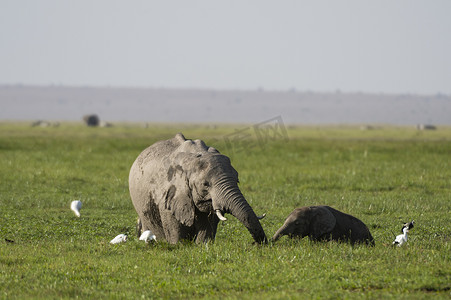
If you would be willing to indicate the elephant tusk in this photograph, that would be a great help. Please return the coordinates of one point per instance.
(262, 216)
(220, 216)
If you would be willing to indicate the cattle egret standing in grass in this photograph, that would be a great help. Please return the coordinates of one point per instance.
(119, 239)
(147, 236)
(75, 206)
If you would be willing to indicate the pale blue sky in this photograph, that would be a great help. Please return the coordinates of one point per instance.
(368, 46)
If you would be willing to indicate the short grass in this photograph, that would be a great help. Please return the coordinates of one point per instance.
(384, 176)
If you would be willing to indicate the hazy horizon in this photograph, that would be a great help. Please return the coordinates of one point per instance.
(214, 107)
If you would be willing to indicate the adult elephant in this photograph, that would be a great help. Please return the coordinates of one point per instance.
(181, 189)
(324, 223)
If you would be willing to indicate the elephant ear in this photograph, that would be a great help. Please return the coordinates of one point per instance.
(177, 198)
(323, 221)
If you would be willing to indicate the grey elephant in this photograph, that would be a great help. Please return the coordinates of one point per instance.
(324, 223)
(181, 189)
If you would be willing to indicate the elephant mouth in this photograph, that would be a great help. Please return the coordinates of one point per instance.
(205, 201)
(205, 205)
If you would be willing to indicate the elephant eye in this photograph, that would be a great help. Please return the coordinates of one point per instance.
(206, 184)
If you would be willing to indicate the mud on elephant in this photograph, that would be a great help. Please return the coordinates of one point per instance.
(181, 189)
(324, 223)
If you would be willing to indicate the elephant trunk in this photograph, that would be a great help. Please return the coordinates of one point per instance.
(229, 199)
(279, 233)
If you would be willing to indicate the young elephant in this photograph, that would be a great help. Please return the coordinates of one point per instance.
(324, 223)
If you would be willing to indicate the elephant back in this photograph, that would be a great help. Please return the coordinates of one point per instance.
(352, 226)
(194, 147)
(159, 150)
(158, 155)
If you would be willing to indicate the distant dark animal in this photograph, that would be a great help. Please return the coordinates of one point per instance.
(426, 127)
(324, 223)
(91, 120)
(42, 123)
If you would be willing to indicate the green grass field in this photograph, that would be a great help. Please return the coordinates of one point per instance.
(384, 176)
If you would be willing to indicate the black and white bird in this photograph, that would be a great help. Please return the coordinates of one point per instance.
(119, 239)
(75, 206)
(147, 236)
(408, 225)
(402, 238)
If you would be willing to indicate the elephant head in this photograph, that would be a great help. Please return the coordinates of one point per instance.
(193, 183)
(314, 221)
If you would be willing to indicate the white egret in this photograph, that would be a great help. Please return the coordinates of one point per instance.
(119, 239)
(75, 206)
(147, 236)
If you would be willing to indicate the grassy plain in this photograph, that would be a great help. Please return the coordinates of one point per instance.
(384, 176)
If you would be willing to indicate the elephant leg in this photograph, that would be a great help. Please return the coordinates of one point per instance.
(150, 220)
(205, 226)
(174, 231)
(322, 238)
(139, 227)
